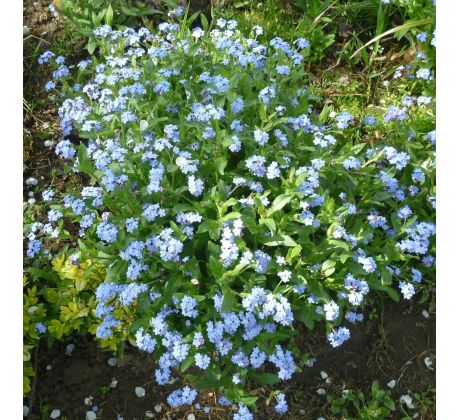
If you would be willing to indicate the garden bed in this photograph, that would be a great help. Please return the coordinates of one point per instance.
(393, 345)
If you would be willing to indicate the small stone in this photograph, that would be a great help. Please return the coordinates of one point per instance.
(55, 413)
(113, 384)
(112, 361)
(191, 416)
(140, 392)
(25, 410)
(195, 282)
(49, 367)
(391, 384)
(425, 313)
(69, 349)
(210, 394)
(429, 363)
(157, 408)
(321, 391)
(407, 399)
(91, 415)
(149, 414)
(310, 362)
(31, 181)
(25, 31)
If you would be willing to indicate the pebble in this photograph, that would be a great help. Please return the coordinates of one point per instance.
(69, 349)
(55, 413)
(407, 399)
(425, 313)
(91, 415)
(149, 415)
(112, 361)
(157, 408)
(321, 391)
(429, 363)
(25, 31)
(391, 384)
(31, 181)
(25, 410)
(191, 416)
(310, 362)
(140, 392)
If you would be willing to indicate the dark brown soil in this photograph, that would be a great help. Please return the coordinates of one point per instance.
(391, 346)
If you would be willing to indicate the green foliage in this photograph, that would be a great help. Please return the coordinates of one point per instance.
(83, 16)
(355, 405)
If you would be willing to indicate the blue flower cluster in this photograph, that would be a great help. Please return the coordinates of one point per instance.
(224, 210)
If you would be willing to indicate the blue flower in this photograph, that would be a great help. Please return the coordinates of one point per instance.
(195, 186)
(202, 361)
(107, 232)
(33, 248)
(281, 407)
(337, 338)
(424, 74)
(343, 119)
(243, 413)
(284, 362)
(351, 163)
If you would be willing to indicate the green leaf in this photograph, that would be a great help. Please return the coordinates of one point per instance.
(221, 163)
(305, 315)
(278, 203)
(91, 46)
(340, 244)
(402, 29)
(204, 22)
(228, 301)
(392, 293)
(265, 377)
(276, 240)
(109, 15)
(328, 264)
(187, 363)
(230, 216)
(210, 226)
(85, 164)
(270, 223)
(294, 252)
